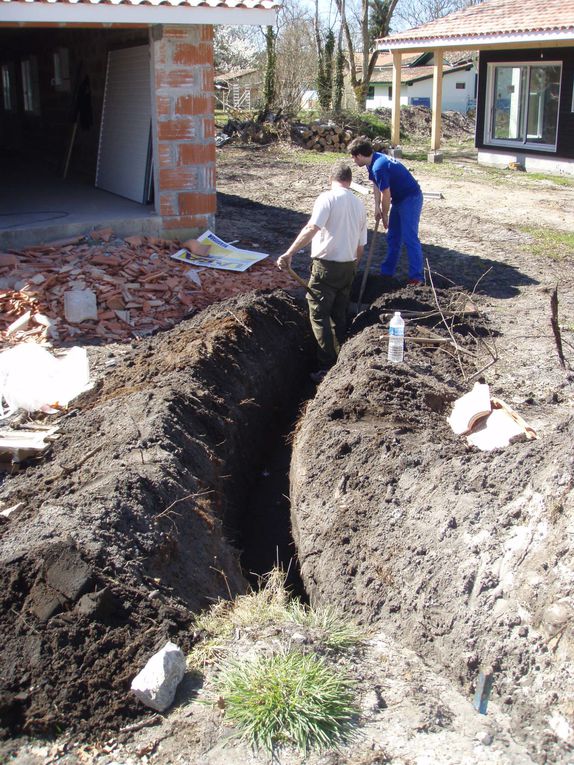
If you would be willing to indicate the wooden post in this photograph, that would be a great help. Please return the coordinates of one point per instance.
(436, 100)
(396, 107)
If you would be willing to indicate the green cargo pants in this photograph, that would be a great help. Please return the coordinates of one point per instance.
(330, 284)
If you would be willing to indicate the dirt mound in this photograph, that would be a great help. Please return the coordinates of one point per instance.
(459, 554)
(416, 122)
(122, 532)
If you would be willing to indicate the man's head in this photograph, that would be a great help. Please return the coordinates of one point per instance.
(341, 173)
(361, 150)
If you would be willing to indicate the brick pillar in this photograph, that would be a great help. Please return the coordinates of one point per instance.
(183, 129)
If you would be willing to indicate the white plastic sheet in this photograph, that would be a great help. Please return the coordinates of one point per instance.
(31, 378)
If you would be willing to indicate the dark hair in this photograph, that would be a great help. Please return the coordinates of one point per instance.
(360, 146)
(341, 172)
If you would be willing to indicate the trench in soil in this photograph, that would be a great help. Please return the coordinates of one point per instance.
(233, 413)
(263, 531)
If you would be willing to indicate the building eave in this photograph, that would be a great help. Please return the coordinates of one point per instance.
(478, 42)
(84, 14)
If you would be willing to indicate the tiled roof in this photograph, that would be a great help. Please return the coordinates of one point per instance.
(80, 13)
(450, 58)
(411, 73)
(178, 3)
(507, 20)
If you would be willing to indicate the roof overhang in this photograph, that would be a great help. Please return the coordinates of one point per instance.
(562, 38)
(15, 14)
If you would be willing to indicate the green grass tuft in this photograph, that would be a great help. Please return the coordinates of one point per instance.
(550, 243)
(331, 629)
(290, 698)
(270, 605)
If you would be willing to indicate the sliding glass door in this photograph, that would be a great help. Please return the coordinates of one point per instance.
(524, 104)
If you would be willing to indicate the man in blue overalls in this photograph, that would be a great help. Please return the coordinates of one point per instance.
(395, 189)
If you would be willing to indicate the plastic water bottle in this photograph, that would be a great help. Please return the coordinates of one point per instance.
(396, 338)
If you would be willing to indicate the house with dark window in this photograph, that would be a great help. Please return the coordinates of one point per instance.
(459, 81)
(525, 94)
(107, 113)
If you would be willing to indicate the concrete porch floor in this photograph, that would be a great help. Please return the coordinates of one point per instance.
(38, 206)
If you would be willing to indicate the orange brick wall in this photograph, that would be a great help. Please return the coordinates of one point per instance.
(184, 148)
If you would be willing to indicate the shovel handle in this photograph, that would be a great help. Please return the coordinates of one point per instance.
(367, 267)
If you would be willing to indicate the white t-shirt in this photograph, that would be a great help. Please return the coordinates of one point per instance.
(342, 219)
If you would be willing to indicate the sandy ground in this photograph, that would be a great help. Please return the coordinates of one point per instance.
(456, 560)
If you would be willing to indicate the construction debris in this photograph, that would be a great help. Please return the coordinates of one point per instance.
(18, 445)
(488, 423)
(138, 289)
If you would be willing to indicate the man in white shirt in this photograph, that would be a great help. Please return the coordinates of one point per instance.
(337, 230)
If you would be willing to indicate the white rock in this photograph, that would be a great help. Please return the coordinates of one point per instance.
(156, 684)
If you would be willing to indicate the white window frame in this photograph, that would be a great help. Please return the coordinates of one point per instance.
(8, 87)
(489, 140)
(61, 62)
(30, 85)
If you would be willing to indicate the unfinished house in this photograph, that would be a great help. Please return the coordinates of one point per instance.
(106, 114)
(525, 97)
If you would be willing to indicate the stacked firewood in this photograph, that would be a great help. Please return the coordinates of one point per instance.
(322, 136)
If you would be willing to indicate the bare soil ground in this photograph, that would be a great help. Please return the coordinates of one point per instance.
(457, 559)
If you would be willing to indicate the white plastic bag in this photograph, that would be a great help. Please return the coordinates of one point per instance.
(31, 378)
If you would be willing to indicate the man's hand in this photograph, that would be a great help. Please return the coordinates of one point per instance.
(284, 262)
(385, 219)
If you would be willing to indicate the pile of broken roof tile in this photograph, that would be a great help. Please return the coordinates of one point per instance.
(138, 287)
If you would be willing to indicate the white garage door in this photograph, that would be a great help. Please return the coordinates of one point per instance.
(124, 156)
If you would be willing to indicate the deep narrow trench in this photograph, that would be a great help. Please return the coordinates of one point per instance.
(264, 535)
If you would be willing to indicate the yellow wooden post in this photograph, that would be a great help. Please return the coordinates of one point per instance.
(396, 107)
(436, 100)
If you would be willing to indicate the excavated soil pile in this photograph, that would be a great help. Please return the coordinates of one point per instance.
(459, 554)
(120, 533)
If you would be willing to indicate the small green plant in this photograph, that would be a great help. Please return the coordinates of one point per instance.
(268, 606)
(550, 243)
(559, 180)
(332, 630)
(290, 698)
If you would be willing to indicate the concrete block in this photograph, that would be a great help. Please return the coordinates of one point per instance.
(435, 156)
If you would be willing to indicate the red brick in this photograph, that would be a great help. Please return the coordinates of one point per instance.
(193, 55)
(163, 105)
(192, 203)
(168, 154)
(194, 105)
(179, 78)
(208, 127)
(178, 178)
(168, 204)
(207, 82)
(175, 32)
(209, 177)
(196, 153)
(207, 33)
(176, 130)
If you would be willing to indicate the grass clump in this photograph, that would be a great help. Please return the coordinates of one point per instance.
(270, 606)
(330, 628)
(289, 698)
(551, 243)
